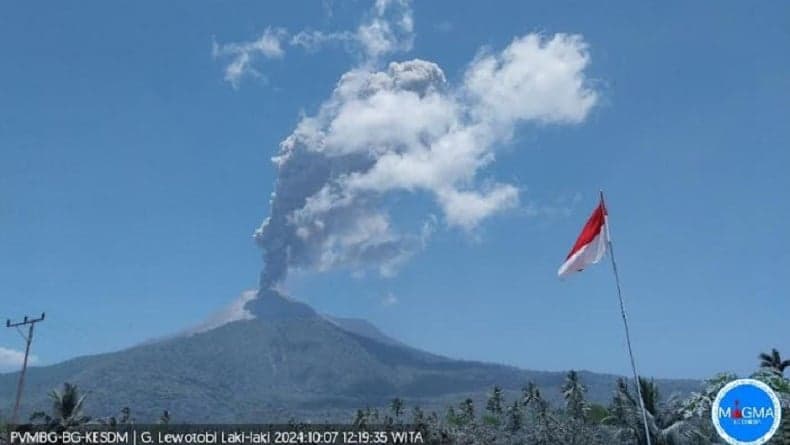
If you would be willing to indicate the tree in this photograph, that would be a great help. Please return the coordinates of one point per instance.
(452, 416)
(573, 392)
(529, 394)
(417, 416)
(467, 411)
(773, 361)
(667, 424)
(597, 413)
(123, 419)
(372, 415)
(66, 409)
(546, 427)
(360, 421)
(494, 404)
(515, 417)
(164, 419)
(575, 407)
(397, 408)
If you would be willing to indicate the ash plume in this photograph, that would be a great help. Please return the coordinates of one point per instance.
(403, 130)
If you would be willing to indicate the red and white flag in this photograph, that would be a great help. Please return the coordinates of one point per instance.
(590, 247)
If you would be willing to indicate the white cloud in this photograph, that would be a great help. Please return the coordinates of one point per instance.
(424, 135)
(434, 138)
(11, 360)
(534, 78)
(268, 45)
(467, 209)
(312, 40)
(388, 28)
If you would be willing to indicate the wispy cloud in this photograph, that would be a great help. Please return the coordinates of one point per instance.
(387, 28)
(562, 207)
(389, 300)
(242, 55)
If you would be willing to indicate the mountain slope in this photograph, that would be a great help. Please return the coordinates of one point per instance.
(287, 362)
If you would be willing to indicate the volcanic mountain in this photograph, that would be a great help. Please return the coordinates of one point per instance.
(285, 362)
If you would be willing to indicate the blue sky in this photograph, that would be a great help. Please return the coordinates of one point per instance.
(133, 174)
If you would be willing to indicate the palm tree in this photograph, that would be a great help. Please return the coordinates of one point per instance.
(495, 401)
(573, 392)
(575, 407)
(666, 422)
(66, 409)
(774, 362)
(546, 424)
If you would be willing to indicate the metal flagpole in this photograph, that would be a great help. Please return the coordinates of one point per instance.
(625, 323)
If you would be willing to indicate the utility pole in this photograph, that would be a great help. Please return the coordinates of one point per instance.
(28, 340)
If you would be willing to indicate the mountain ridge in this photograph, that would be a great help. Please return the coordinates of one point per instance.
(286, 362)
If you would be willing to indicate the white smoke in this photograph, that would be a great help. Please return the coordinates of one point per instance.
(235, 311)
(405, 130)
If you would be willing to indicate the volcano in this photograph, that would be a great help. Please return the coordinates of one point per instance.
(287, 362)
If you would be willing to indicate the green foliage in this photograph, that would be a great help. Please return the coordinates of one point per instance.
(235, 373)
(123, 419)
(418, 417)
(66, 413)
(467, 412)
(529, 419)
(494, 404)
(785, 430)
(596, 413)
(776, 381)
(515, 417)
(452, 417)
(360, 421)
(573, 392)
(773, 362)
(490, 420)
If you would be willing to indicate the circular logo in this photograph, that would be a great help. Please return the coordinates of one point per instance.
(746, 412)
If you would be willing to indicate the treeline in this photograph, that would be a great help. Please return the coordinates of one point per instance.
(531, 420)
(528, 419)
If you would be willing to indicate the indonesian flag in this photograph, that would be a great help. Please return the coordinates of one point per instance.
(590, 247)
